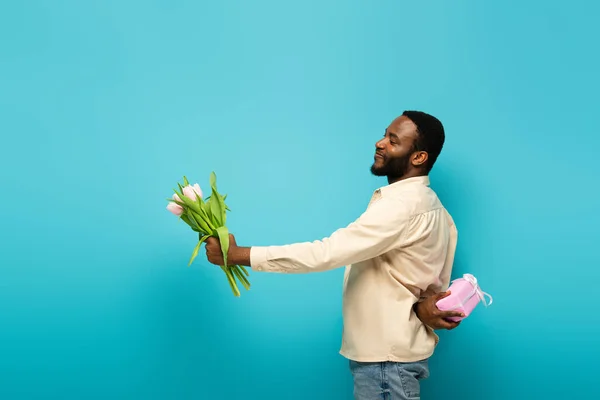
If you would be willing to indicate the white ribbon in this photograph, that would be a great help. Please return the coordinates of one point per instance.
(476, 290)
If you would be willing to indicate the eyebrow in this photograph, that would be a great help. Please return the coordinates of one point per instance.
(392, 134)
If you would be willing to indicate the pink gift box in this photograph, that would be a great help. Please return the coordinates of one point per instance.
(464, 297)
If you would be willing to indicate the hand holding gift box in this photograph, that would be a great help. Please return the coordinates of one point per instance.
(464, 296)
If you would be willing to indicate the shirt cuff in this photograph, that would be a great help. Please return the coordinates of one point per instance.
(258, 258)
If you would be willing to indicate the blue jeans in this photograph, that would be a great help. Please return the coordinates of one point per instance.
(388, 380)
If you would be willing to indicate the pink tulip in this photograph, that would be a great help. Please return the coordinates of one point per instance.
(192, 191)
(174, 207)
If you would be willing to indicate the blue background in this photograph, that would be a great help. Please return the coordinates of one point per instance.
(104, 106)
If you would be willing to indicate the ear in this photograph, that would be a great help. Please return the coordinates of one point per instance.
(419, 158)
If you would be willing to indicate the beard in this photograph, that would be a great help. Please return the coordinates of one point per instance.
(392, 168)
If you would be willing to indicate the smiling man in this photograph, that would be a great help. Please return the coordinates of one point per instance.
(398, 256)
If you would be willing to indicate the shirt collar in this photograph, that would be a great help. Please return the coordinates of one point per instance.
(417, 180)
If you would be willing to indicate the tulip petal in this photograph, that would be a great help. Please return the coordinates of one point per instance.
(198, 190)
(190, 193)
(175, 208)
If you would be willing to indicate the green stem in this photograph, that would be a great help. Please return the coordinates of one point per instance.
(244, 270)
(241, 277)
(231, 280)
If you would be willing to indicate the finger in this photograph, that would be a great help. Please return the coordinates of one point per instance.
(442, 323)
(441, 295)
(449, 314)
(453, 325)
(447, 325)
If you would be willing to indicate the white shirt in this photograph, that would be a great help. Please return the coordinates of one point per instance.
(399, 250)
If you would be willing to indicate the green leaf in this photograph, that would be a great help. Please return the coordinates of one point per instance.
(200, 201)
(195, 253)
(185, 181)
(189, 219)
(213, 181)
(181, 203)
(217, 201)
(223, 234)
(200, 209)
(202, 224)
(215, 205)
(207, 212)
(191, 204)
(217, 210)
(223, 209)
(203, 220)
(190, 222)
(224, 204)
(178, 193)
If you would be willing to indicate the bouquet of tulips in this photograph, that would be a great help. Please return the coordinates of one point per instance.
(207, 217)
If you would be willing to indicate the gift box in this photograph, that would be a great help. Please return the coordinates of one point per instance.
(465, 294)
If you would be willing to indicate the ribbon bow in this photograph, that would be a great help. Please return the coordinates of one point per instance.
(477, 290)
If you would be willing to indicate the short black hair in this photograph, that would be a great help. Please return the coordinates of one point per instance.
(431, 135)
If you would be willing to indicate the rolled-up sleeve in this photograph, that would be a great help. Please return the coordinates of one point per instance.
(382, 227)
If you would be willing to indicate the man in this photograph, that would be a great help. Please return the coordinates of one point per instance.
(398, 254)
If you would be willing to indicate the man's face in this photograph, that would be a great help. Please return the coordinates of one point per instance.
(393, 153)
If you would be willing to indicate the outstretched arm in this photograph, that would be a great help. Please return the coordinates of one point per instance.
(380, 228)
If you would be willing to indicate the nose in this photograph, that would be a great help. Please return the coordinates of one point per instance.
(379, 144)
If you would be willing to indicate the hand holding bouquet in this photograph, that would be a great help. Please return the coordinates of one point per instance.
(207, 217)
